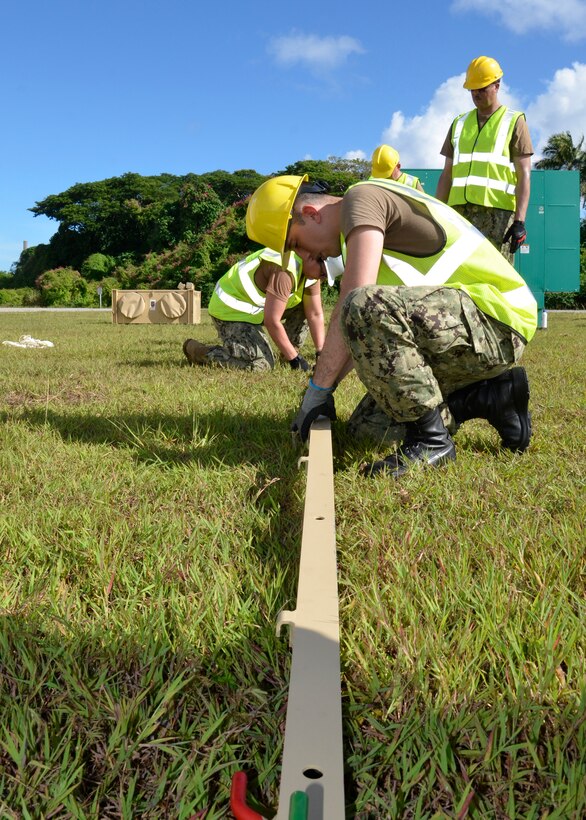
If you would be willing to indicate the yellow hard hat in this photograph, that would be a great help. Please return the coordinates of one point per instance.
(482, 72)
(384, 161)
(269, 211)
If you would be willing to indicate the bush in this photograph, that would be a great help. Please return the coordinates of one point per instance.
(571, 300)
(64, 287)
(565, 300)
(107, 284)
(19, 297)
(97, 266)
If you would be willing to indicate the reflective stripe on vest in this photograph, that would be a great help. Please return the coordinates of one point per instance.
(482, 171)
(236, 296)
(468, 261)
(236, 304)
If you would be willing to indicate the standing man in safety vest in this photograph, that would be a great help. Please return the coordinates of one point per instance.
(429, 312)
(259, 293)
(386, 165)
(487, 171)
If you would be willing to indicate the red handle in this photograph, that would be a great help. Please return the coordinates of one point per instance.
(238, 799)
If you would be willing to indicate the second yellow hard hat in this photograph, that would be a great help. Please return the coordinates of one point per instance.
(384, 161)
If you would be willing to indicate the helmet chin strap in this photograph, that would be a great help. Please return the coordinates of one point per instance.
(317, 187)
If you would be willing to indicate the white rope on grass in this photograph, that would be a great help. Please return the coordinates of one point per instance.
(28, 341)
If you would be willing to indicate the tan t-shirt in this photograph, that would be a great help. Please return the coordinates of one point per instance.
(270, 278)
(406, 224)
(519, 146)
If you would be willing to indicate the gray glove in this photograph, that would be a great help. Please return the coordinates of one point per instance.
(317, 401)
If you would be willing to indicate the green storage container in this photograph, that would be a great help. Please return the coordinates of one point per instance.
(550, 259)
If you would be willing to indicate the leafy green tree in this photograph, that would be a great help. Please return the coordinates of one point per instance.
(201, 262)
(219, 248)
(561, 153)
(232, 187)
(338, 173)
(198, 208)
(127, 213)
(31, 264)
(130, 214)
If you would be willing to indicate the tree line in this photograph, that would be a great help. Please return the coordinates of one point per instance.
(136, 231)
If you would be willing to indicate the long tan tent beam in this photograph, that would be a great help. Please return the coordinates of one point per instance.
(312, 757)
(312, 779)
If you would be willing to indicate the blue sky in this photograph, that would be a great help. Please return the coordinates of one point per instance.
(96, 89)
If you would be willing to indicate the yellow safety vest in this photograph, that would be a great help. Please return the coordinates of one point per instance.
(404, 179)
(482, 171)
(468, 261)
(408, 179)
(236, 298)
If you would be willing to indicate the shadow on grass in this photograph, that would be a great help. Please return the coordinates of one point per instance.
(208, 439)
(144, 726)
(219, 438)
(132, 721)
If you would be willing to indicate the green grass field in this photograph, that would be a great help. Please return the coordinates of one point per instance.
(150, 530)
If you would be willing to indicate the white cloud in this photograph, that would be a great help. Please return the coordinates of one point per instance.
(419, 139)
(354, 155)
(561, 107)
(565, 16)
(313, 51)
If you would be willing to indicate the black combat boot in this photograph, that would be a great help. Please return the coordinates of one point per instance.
(502, 401)
(426, 440)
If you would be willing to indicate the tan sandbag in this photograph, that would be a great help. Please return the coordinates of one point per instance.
(131, 305)
(172, 305)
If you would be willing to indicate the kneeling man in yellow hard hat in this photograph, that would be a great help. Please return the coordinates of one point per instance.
(429, 313)
(260, 295)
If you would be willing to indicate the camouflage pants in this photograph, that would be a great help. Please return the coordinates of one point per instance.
(493, 223)
(247, 347)
(413, 346)
(369, 421)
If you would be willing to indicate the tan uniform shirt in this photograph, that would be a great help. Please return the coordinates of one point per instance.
(270, 278)
(407, 225)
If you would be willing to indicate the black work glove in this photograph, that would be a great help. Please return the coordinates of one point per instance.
(317, 401)
(517, 234)
(299, 363)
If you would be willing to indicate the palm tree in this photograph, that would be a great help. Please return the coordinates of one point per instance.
(560, 153)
